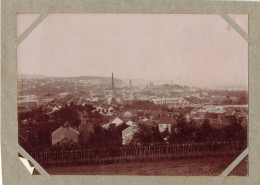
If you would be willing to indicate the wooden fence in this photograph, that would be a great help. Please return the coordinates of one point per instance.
(125, 154)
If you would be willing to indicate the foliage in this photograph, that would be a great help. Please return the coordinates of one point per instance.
(147, 135)
(106, 137)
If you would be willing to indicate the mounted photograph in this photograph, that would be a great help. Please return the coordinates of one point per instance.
(133, 94)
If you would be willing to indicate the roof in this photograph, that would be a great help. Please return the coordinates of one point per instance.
(197, 122)
(229, 112)
(148, 123)
(128, 130)
(167, 120)
(71, 129)
(197, 115)
(145, 119)
(240, 115)
(117, 121)
(129, 122)
(127, 114)
(219, 126)
(106, 125)
(228, 119)
(244, 122)
(211, 116)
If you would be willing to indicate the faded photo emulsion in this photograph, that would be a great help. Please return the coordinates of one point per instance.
(133, 94)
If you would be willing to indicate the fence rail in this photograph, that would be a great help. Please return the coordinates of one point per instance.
(125, 154)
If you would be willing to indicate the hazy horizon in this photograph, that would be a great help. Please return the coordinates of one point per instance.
(194, 50)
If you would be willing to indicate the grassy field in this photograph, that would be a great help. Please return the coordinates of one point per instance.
(241, 169)
(180, 167)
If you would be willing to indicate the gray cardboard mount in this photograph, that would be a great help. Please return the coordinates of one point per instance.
(14, 172)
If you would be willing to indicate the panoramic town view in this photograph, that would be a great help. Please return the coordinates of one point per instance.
(120, 105)
(105, 120)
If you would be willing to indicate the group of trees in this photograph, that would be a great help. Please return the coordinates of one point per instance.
(187, 132)
(35, 135)
(101, 137)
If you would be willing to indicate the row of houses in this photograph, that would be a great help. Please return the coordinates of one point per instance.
(216, 120)
(171, 102)
(220, 116)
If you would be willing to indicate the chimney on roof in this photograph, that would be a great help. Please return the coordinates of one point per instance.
(112, 81)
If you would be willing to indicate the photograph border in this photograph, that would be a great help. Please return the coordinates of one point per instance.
(14, 172)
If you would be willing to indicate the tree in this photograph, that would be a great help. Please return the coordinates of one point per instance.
(243, 99)
(183, 131)
(205, 131)
(147, 135)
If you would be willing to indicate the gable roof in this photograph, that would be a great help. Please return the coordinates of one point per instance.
(129, 123)
(198, 115)
(145, 119)
(61, 128)
(211, 116)
(117, 121)
(228, 119)
(127, 114)
(240, 115)
(197, 122)
(128, 130)
(167, 120)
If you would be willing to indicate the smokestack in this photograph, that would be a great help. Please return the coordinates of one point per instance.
(75, 86)
(130, 83)
(112, 81)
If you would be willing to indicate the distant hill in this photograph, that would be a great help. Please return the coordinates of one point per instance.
(175, 86)
(31, 76)
(107, 81)
(102, 80)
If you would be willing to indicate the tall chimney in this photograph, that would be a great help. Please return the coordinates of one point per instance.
(75, 86)
(112, 81)
(130, 83)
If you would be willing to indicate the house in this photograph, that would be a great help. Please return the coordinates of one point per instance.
(197, 122)
(65, 135)
(127, 134)
(224, 121)
(127, 114)
(110, 111)
(241, 115)
(145, 119)
(117, 121)
(130, 123)
(109, 100)
(197, 115)
(166, 123)
(52, 108)
(212, 117)
(101, 110)
(244, 123)
(227, 119)
(230, 111)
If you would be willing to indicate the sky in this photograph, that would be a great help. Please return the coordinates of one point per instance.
(197, 50)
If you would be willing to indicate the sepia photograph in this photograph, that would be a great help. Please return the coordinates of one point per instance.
(133, 94)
